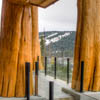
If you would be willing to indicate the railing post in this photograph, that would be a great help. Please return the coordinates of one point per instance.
(82, 76)
(45, 66)
(27, 67)
(67, 70)
(55, 68)
(36, 78)
(38, 58)
(51, 90)
(38, 62)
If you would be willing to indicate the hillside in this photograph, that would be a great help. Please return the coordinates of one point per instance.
(59, 43)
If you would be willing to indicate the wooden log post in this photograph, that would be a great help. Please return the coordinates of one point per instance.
(19, 43)
(35, 38)
(87, 46)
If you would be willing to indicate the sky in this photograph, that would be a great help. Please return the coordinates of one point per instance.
(61, 16)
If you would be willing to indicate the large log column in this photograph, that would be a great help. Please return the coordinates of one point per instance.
(16, 47)
(87, 46)
(35, 38)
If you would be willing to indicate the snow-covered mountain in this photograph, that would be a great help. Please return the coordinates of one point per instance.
(52, 39)
(59, 41)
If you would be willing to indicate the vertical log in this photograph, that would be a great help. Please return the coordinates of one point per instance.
(35, 37)
(16, 47)
(9, 49)
(89, 44)
(25, 52)
(96, 80)
(77, 44)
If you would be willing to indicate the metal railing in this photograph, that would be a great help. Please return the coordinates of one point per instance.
(51, 83)
(57, 68)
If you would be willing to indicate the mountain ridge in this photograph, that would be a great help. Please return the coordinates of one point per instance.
(60, 43)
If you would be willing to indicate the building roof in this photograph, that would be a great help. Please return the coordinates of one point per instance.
(43, 3)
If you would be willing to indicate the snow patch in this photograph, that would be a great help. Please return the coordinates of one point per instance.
(51, 35)
(55, 39)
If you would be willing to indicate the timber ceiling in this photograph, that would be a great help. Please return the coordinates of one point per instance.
(43, 3)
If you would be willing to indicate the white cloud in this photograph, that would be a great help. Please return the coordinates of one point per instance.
(60, 16)
(0, 6)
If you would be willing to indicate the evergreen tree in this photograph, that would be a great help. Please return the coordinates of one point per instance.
(42, 44)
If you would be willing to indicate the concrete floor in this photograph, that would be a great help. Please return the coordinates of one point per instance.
(44, 89)
(58, 93)
(58, 84)
(82, 96)
(31, 98)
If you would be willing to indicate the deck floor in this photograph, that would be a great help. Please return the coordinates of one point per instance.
(58, 84)
(43, 83)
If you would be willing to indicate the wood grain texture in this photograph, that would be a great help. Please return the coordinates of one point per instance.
(77, 44)
(16, 48)
(19, 2)
(87, 47)
(35, 38)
